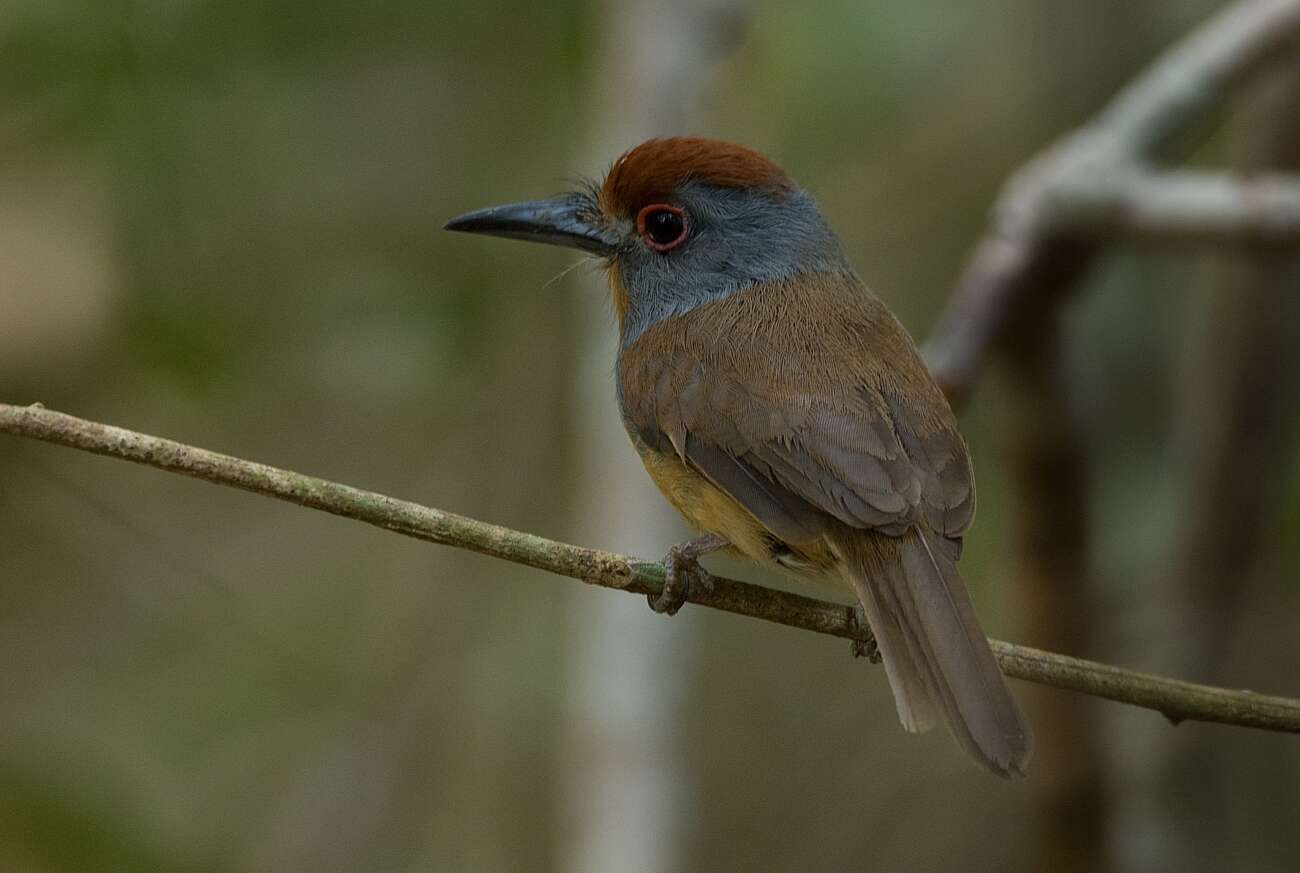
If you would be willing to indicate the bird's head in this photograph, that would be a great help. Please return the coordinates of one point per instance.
(680, 221)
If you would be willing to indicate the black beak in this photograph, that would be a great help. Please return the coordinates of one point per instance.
(569, 220)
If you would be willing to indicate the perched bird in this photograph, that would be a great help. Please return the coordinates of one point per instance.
(785, 412)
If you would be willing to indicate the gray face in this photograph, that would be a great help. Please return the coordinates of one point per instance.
(737, 238)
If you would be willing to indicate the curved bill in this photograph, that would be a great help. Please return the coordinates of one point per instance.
(559, 221)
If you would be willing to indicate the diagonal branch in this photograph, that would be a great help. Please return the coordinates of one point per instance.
(1097, 182)
(1198, 75)
(1107, 181)
(1176, 699)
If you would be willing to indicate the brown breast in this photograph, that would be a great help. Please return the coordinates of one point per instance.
(816, 393)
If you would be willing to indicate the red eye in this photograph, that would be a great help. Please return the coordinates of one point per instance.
(662, 226)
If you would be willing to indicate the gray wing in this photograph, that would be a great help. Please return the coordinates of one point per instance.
(793, 458)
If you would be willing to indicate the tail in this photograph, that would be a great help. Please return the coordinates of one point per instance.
(936, 656)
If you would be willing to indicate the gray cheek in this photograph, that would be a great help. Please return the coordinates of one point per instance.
(740, 239)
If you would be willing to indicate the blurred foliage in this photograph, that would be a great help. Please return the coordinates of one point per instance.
(219, 221)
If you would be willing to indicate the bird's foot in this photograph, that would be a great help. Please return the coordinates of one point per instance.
(864, 644)
(682, 572)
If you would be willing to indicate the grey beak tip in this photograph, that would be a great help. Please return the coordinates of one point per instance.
(559, 221)
(460, 222)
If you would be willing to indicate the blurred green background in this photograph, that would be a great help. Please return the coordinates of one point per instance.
(220, 222)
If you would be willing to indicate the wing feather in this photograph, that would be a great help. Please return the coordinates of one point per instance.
(831, 432)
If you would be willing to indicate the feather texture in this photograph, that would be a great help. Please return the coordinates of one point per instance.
(797, 419)
(657, 168)
(937, 658)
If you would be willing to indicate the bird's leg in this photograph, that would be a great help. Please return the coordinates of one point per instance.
(682, 570)
(864, 645)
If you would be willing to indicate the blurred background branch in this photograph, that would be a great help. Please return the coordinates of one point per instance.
(1235, 425)
(1055, 214)
(217, 219)
(632, 800)
(1184, 207)
(1051, 577)
(1054, 220)
(1177, 700)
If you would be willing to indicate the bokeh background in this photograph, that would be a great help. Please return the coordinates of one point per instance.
(220, 222)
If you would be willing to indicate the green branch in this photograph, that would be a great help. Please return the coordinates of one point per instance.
(1176, 699)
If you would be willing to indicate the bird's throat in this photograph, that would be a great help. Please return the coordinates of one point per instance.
(618, 291)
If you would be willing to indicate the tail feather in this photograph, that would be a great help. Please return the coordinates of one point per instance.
(936, 657)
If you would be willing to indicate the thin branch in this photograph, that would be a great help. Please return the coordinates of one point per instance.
(1176, 699)
(1096, 183)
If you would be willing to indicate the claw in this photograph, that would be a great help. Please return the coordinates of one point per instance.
(683, 573)
(864, 645)
(865, 649)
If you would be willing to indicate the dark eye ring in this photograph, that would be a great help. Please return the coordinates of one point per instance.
(663, 227)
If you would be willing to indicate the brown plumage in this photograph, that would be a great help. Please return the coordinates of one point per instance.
(783, 410)
(846, 464)
(655, 169)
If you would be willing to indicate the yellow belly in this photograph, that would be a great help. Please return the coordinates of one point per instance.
(711, 510)
(706, 507)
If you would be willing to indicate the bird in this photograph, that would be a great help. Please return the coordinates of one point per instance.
(785, 412)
